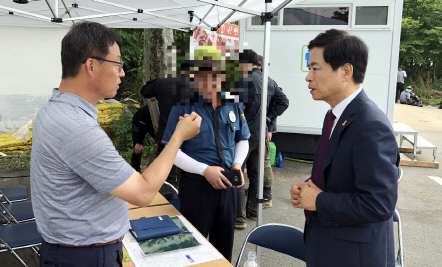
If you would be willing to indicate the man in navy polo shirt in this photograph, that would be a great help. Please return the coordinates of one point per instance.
(208, 199)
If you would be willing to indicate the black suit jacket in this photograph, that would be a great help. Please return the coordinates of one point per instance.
(353, 224)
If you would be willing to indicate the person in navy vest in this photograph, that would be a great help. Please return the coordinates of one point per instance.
(350, 198)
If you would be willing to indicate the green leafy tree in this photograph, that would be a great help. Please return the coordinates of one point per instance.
(421, 41)
(132, 51)
(421, 48)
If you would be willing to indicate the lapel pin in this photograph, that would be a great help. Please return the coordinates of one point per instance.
(344, 123)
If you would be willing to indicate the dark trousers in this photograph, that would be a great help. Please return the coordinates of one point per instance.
(136, 159)
(104, 256)
(399, 88)
(173, 178)
(211, 211)
(136, 162)
(138, 134)
(252, 163)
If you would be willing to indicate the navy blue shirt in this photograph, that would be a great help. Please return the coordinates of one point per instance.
(232, 129)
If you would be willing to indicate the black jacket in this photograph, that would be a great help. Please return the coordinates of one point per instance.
(142, 124)
(168, 92)
(277, 103)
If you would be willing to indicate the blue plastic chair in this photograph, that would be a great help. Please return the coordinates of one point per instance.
(14, 193)
(278, 237)
(19, 236)
(400, 253)
(17, 212)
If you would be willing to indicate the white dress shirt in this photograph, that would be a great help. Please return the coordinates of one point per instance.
(339, 108)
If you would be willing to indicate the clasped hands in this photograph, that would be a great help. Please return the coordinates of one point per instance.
(303, 195)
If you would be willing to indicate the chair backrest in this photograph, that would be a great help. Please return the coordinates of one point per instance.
(4, 198)
(14, 193)
(175, 202)
(400, 253)
(6, 214)
(4, 219)
(171, 186)
(401, 174)
(18, 236)
(278, 237)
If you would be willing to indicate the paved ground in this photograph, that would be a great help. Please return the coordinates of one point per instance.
(418, 203)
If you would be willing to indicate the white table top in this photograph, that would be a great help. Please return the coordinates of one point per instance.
(402, 128)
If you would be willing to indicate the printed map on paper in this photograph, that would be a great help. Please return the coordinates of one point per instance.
(179, 256)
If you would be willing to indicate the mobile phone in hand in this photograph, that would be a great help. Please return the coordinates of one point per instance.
(234, 176)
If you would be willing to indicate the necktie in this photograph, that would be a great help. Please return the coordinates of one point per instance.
(317, 171)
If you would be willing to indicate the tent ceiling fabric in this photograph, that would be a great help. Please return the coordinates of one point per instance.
(121, 13)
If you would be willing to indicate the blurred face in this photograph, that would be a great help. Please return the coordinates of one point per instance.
(245, 67)
(324, 83)
(208, 83)
(109, 77)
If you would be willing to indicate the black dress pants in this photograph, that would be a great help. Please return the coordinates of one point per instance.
(211, 211)
(136, 159)
(252, 163)
(52, 255)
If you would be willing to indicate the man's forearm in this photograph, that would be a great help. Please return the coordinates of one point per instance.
(157, 172)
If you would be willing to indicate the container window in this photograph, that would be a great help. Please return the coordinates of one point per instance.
(371, 15)
(316, 16)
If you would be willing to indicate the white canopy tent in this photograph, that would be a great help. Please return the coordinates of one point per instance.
(130, 13)
(175, 14)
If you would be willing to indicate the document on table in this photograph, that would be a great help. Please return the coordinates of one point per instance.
(181, 257)
(183, 239)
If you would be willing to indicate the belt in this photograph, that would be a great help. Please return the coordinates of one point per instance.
(96, 245)
(192, 175)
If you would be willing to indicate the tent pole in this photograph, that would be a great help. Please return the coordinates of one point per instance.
(205, 16)
(26, 13)
(202, 21)
(100, 16)
(232, 7)
(50, 8)
(263, 115)
(148, 13)
(56, 8)
(231, 14)
(129, 19)
(267, 16)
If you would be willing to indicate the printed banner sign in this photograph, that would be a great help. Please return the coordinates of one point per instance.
(227, 34)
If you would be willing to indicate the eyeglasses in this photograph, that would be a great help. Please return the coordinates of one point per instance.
(121, 63)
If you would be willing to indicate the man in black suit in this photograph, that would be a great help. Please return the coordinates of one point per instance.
(351, 196)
